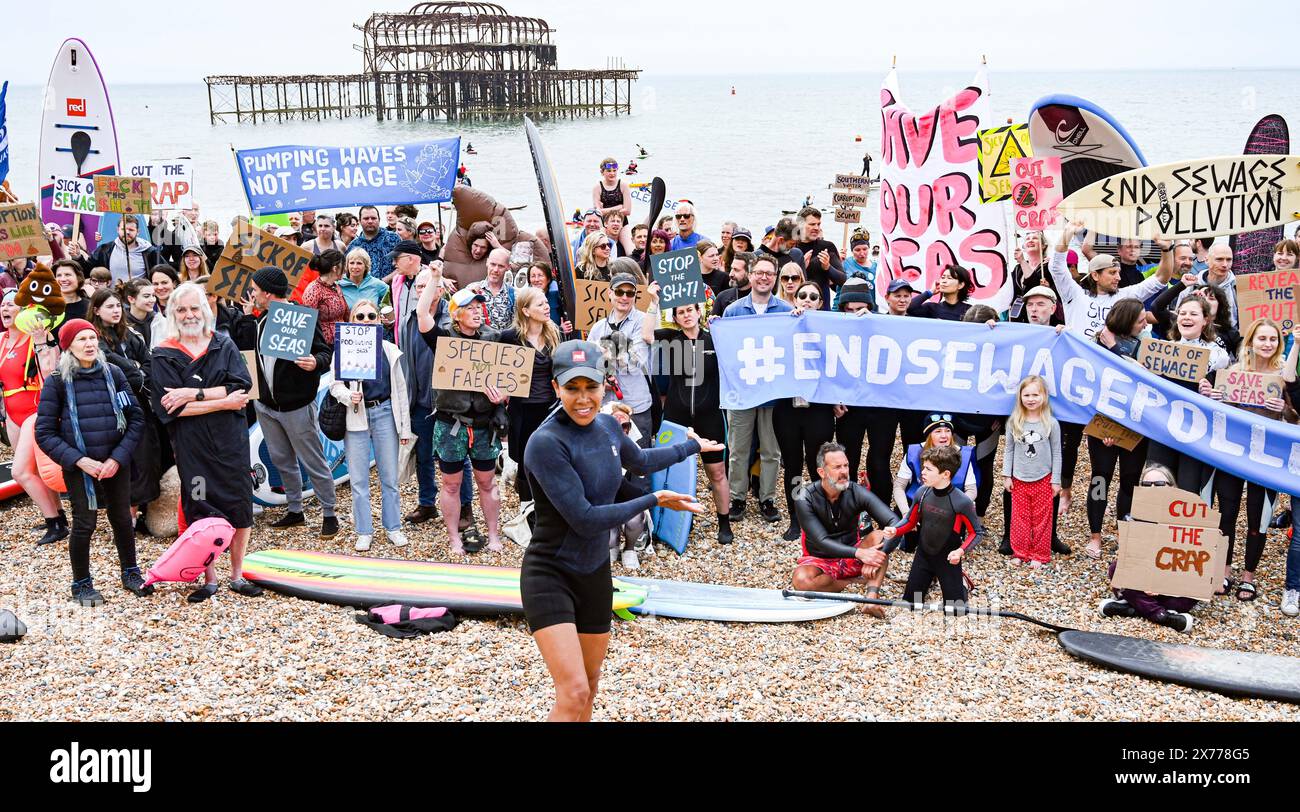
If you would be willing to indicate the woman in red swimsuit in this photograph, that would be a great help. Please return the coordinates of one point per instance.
(24, 363)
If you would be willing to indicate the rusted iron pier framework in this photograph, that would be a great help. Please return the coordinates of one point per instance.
(438, 61)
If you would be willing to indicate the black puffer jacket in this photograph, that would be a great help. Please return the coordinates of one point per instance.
(131, 355)
(54, 432)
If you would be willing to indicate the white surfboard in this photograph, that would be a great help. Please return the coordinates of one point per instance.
(1209, 197)
(78, 136)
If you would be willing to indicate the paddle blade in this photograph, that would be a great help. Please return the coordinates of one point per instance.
(658, 194)
(80, 148)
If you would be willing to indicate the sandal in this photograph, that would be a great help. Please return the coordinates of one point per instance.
(473, 540)
(1247, 587)
(1093, 552)
(1227, 586)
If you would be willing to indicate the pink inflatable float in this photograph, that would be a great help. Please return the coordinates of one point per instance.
(197, 548)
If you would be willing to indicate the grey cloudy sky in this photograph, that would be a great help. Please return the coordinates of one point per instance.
(187, 41)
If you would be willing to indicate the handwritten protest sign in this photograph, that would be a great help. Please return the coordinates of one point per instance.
(118, 194)
(1175, 361)
(297, 178)
(848, 215)
(998, 147)
(1175, 548)
(172, 182)
(593, 303)
(1103, 428)
(250, 361)
(1247, 388)
(1035, 191)
(76, 195)
(21, 234)
(1270, 295)
(466, 365)
(680, 279)
(288, 331)
(249, 249)
(358, 351)
(861, 182)
(848, 199)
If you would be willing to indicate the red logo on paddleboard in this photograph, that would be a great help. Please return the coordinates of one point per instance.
(77, 107)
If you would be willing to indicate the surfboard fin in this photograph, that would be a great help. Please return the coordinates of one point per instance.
(624, 614)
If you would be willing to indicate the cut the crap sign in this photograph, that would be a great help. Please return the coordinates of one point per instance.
(172, 182)
(1035, 191)
(1173, 548)
(1212, 197)
(466, 365)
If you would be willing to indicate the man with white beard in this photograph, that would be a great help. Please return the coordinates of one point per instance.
(200, 388)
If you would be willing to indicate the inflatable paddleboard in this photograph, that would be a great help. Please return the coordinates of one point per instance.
(268, 487)
(78, 136)
(1207, 197)
(1236, 673)
(1252, 252)
(1090, 143)
(673, 527)
(732, 604)
(9, 488)
(347, 580)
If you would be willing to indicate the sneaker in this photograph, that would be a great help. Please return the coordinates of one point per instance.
(363, 543)
(1291, 603)
(85, 594)
(1178, 621)
(767, 508)
(737, 511)
(397, 538)
(246, 588)
(630, 560)
(1116, 607)
(133, 582)
(422, 514)
(1059, 547)
(1282, 519)
(792, 533)
(329, 527)
(291, 519)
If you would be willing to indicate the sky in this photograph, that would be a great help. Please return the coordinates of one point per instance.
(711, 37)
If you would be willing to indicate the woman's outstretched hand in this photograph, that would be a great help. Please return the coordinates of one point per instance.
(678, 501)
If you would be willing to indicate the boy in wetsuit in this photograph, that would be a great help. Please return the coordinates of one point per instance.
(948, 527)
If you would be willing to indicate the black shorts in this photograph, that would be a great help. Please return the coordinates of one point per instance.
(709, 425)
(553, 595)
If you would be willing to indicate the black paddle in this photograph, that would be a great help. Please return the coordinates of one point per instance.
(978, 611)
(658, 194)
(80, 148)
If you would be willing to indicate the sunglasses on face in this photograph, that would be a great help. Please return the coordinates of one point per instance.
(790, 278)
(685, 216)
(1153, 484)
(624, 293)
(367, 317)
(604, 245)
(427, 231)
(809, 297)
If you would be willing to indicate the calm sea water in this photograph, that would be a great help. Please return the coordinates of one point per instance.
(744, 157)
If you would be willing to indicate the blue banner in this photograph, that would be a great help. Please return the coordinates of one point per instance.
(920, 364)
(298, 178)
(4, 134)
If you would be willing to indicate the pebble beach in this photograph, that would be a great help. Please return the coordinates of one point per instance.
(278, 658)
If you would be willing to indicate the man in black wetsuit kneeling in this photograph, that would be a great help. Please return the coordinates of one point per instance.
(835, 554)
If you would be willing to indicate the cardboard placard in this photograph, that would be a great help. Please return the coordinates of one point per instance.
(1175, 361)
(593, 303)
(358, 351)
(288, 331)
(76, 195)
(681, 281)
(1247, 388)
(1175, 560)
(998, 147)
(848, 216)
(1270, 295)
(249, 249)
(847, 199)
(1035, 191)
(171, 182)
(250, 361)
(466, 365)
(21, 232)
(1103, 428)
(1171, 506)
(119, 194)
(853, 182)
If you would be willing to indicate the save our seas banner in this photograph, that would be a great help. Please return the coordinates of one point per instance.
(931, 214)
(924, 363)
(299, 178)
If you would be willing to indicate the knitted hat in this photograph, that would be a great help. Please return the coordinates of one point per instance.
(69, 331)
(855, 290)
(272, 280)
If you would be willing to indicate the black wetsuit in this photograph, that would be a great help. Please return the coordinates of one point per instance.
(830, 529)
(692, 398)
(947, 521)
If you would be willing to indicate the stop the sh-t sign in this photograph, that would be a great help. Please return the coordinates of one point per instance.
(680, 280)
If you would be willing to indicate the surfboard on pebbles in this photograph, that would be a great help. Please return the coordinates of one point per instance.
(1252, 252)
(730, 604)
(78, 134)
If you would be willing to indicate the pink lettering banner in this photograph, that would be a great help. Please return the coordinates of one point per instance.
(1035, 191)
(930, 210)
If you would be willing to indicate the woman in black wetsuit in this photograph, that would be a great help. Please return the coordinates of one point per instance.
(575, 461)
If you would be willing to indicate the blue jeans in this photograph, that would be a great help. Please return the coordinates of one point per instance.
(426, 462)
(382, 436)
(1293, 552)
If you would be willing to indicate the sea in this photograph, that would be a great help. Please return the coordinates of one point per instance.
(742, 148)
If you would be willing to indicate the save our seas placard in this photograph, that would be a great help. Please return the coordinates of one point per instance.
(288, 331)
(21, 234)
(118, 194)
(1247, 388)
(1270, 295)
(680, 279)
(466, 365)
(593, 303)
(1173, 547)
(1175, 361)
(248, 250)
